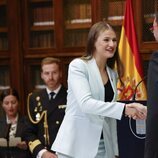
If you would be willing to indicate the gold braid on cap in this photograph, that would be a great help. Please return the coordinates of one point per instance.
(45, 123)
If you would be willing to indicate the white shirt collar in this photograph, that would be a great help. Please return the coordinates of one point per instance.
(9, 122)
(55, 91)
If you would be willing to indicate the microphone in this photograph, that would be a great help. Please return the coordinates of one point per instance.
(135, 90)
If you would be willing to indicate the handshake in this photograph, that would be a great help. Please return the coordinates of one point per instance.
(136, 111)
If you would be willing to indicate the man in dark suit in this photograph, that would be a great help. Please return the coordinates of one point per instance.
(151, 143)
(46, 110)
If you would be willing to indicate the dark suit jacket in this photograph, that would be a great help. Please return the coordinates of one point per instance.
(151, 143)
(13, 151)
(39, 101)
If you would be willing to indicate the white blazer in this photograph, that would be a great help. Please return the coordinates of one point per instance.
(87, 114)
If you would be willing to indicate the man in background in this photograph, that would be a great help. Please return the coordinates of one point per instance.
(46, 109)
(151, 143)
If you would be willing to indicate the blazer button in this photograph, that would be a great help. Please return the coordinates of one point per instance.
(57, 122)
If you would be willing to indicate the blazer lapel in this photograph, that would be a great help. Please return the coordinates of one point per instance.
(112, 81)
(52, 105)
(96, 78)
(45, 99)
(3, 124)
(20, 124)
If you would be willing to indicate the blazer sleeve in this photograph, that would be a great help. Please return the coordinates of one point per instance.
(31, 134)
(78, 82)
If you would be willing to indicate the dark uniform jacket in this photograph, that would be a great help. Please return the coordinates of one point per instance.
(151, 143)
(13, 152)
(38, 103)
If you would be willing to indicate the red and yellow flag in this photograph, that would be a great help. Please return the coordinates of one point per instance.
(130, 56)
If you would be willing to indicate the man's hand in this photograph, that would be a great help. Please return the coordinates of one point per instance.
(48, 154)
(136, 111)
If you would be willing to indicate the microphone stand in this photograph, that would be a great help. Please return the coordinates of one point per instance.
(135, 90)
(134, 99)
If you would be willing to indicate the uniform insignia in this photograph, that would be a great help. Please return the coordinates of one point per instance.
(32, 145)
(35, 110)
(40, 108)
(61, 106)
(37, 116)
(39, 104)
(37, 98)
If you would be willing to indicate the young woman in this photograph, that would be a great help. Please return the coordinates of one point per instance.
(89, 126)
(12, 125)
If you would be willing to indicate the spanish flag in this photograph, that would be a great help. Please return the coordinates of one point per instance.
(130, 56)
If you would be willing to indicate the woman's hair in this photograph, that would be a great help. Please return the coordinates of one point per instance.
(156, 16)
(9, 91)
(94, 33)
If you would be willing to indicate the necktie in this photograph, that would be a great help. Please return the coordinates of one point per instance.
(52, 95)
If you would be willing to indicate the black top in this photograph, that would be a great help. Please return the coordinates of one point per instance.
(109, 94)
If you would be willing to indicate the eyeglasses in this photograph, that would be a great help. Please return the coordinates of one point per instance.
(152, 28)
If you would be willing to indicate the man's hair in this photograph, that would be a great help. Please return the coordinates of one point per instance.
(51, 60)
